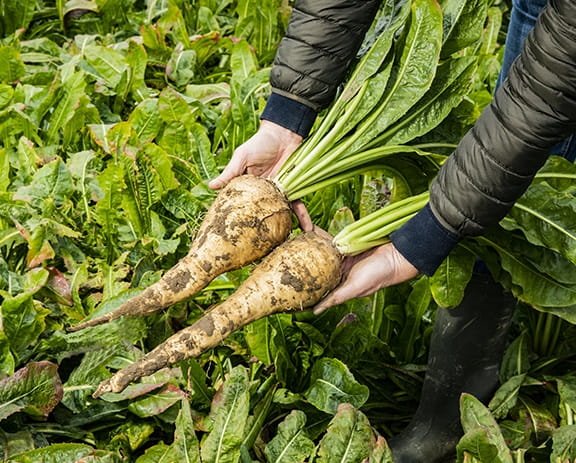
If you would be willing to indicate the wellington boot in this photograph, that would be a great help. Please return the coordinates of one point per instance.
(466, 349)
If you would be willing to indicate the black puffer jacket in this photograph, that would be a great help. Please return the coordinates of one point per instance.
(494, 163)
(322, 38)
(497, 159)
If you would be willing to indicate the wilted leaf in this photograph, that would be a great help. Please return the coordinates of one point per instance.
(35, 389)
(156, 403)
(381, 452)
(564, 444)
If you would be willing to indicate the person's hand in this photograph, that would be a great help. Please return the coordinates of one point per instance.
(262, 155)
(366, 273)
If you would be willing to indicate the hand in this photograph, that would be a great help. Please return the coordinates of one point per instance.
(262, 155)
(366, 273)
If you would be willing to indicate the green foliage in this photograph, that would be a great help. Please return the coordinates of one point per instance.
(115, 113)
(35, 389)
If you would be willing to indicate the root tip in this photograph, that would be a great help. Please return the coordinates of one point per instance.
(102, 389)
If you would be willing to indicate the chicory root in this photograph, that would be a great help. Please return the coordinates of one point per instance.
(295, 276)
(248, 219)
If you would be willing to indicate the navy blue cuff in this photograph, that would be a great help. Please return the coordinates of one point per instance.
(290, 114)
(424, 242)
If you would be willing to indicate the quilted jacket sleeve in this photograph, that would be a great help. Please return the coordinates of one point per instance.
(322, 38)
(497, 159)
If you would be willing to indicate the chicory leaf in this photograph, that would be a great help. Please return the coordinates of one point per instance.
(35, 390)
(291, 443)
(228, 416)
(331, 384)
(348, 438)
(482, 438)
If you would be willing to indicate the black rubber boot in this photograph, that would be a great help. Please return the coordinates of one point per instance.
(465, 353)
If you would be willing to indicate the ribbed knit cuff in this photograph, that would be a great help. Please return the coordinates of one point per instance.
(290, 114)
(424, 242)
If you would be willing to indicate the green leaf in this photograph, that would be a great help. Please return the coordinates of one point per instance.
(173, 108)
(7, 363)
(50, 187)
(22, 320)
(196, 378)
(146, 120)
(468, 28)
(538, 418)
(540, 277)
(243, 61)
(381, 452)
(451, 84)
(6, 94)
(506, 396)
(15, 15)
(564, 444)
(156, 167)
(258, 335)
(291, 443)
(567, 391)
(108, 210)
(130, 436)
(35, 390)
(229, 414)
(547, 217)
(180, 68)
(341, 219)
(137, 60)
(108, 64)
(331, 384)
(15, 443)
(516, 358)
(66, 453)
(159, 453)
(450, 280)
(259, 24)
(412, 75)
(156, 403)
(11, 65)
(416, 306)
(482, 439)
(68, 99)
(349, 437)
(372, 60)
(202, 152)
(185, 444)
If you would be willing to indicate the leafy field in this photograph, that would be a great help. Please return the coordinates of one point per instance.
(113, 115)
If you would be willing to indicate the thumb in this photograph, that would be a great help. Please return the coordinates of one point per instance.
(333, 298)
(235, 168)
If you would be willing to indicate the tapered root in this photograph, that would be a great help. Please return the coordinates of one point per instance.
(293, 277)
(249, 218)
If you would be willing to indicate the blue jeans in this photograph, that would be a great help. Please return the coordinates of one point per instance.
(522, 21)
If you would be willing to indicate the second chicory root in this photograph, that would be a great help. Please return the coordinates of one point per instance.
(248, 219)
(295, 276)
